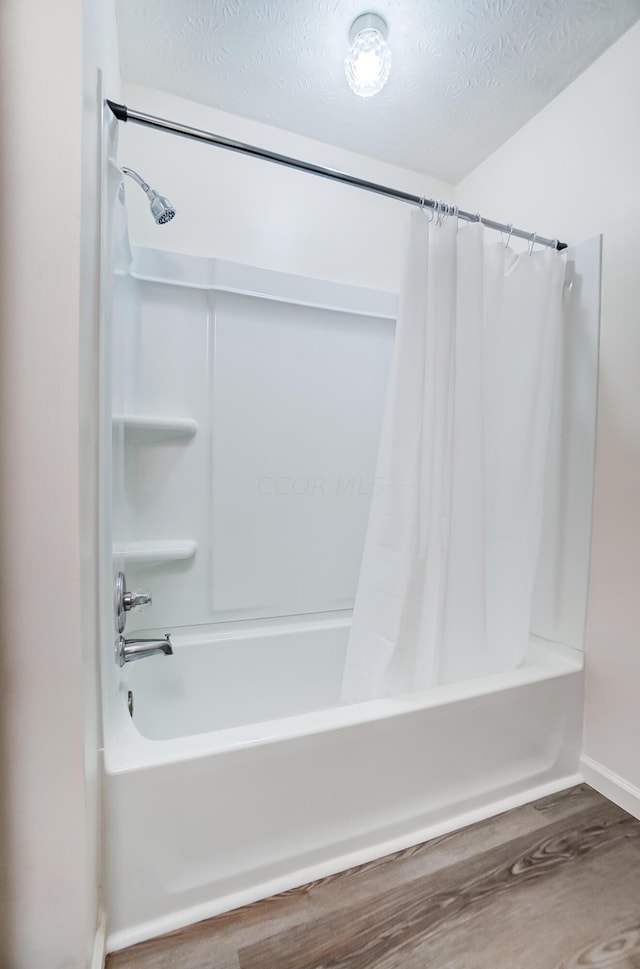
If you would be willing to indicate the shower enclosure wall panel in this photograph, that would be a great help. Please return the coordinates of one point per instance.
(283, 381)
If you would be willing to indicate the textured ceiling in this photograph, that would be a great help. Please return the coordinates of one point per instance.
(466, 73)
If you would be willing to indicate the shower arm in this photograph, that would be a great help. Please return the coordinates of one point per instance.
(137, 179)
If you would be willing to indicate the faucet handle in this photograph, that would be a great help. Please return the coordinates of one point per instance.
(136, 601)
(125, 601)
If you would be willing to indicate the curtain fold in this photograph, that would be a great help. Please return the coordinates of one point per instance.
(118, 304)
(449, 561)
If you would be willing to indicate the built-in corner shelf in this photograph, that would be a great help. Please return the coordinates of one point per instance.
(150, 430)
(155, 553)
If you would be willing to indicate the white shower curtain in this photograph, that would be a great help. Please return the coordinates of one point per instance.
(118, 306)
(450, 554)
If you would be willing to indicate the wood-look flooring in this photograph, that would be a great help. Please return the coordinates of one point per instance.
(551, 885)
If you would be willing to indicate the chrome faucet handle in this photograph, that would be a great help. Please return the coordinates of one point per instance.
(138, 601)
(125, 601)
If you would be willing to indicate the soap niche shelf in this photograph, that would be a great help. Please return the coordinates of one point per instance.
(145, 429)
(152, 430)
(156, 552)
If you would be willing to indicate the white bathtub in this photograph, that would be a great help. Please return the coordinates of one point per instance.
(234, 779)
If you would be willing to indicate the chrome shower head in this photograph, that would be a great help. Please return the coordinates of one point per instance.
(161, 208)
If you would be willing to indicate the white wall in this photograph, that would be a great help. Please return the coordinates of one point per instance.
(44, 828)
(573, 172)
(250, 211)
(48, 735)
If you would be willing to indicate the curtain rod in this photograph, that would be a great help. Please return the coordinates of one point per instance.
(123, 113)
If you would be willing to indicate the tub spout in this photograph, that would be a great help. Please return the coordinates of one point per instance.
(129, 649)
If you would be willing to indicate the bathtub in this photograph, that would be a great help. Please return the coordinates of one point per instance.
(239, 774)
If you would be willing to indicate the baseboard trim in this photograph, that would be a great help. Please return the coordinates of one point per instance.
(99, 952)
(178, 920)
(621, 792)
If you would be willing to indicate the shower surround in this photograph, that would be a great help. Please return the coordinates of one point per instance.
(233, 768)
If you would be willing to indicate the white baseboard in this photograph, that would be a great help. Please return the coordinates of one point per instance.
(99, 953)
(180, 919)
(621, 792)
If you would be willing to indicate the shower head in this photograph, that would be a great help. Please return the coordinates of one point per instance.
(161, 208)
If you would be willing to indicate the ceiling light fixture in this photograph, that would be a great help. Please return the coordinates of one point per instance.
(368, 63)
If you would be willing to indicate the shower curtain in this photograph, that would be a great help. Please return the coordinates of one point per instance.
(450, 553)
(118, 359)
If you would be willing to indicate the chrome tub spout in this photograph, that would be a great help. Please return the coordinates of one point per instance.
(128, 650)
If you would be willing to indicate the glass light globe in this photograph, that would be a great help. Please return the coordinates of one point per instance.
(368, 63)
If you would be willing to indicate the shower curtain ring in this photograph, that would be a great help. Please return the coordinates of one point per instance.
(426, 209)
(510, 228)
(534, 236)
